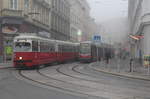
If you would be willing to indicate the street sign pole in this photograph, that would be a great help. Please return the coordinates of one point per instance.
(148, 69)
(97, 55)
(148, 72)
(97, 41)
(118, 66)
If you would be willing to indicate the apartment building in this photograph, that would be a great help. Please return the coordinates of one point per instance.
(55, 19)
(81, 24)
(60, 25)
(20, 16)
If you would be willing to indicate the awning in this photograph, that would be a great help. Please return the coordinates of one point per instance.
(136, 37)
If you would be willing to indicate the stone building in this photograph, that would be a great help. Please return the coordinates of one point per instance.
(55, 19)
(139, 19)
(48, 18)
(80, 20)
(19, 16)
(60, 25)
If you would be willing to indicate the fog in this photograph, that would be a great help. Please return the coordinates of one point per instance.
(103, 10)
(115, 30)
(111, 15)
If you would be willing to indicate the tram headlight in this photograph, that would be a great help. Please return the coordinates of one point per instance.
(20, 58)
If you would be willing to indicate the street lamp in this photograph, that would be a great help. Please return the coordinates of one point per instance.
(79, 35)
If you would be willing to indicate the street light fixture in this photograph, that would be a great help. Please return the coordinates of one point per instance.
(79, 33)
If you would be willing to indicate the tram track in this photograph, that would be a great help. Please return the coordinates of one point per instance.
(60, 72)
(76, 70)
(88, 93)
(83, 74)
(58, 79)
(56, 87)
(99, 80)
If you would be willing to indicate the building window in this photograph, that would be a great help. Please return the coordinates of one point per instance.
(26, 3)
(14, 4)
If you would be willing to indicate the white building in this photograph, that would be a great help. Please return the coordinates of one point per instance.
(139, 18)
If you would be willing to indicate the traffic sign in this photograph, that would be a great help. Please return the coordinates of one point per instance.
(97, 38)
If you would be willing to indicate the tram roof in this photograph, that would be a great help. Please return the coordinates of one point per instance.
(97, 44)
(90, 42)
(34, 36)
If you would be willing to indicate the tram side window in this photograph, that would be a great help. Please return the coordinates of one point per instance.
(70, 49)
(59, 48)
(44, 47)
(52, 47)
(34, 46)
(63, 48)
(67, 48)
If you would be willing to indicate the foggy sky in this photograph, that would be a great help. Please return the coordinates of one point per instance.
(103, 10)
(111, 15)
(115, 30)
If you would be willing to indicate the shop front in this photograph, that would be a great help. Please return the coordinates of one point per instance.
(11, 27)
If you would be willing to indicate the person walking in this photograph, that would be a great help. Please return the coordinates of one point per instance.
(107, 56)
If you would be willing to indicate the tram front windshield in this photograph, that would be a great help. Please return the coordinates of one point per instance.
(85, 48)
(22, 47)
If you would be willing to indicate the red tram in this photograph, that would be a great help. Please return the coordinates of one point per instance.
(33, 51)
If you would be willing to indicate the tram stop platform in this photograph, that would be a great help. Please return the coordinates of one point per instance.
(122, 68)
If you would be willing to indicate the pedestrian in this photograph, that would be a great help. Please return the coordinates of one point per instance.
(131, 64)
(107, 56)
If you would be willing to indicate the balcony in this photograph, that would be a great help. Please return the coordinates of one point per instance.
(44, 3)
(12, 13)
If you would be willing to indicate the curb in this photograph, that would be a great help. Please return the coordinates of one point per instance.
(5, 66)
(119, 74)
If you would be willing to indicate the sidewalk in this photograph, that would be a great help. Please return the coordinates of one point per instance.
(6, 65)
(122, 68)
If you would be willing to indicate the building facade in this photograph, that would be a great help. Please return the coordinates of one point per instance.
(139, 19)
(81, 24)
(48, 18)
(60, 25)
(55, 19)
(20, 16)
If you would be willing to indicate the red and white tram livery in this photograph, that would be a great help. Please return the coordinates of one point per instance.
(32, 51)
(90, 51)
